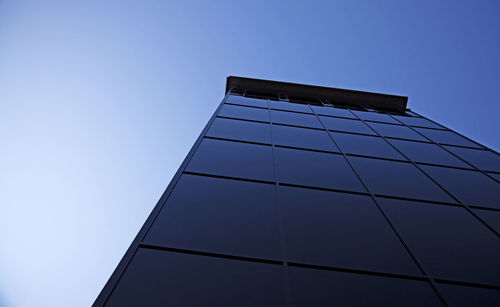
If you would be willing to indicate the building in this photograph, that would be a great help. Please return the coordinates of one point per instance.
(303, 195)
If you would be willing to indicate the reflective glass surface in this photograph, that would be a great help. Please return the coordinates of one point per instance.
(280, 105)
(446, 137)
(233, 111)
(332, 111)
(343, 124)
(448, 240)
(247, 101)
(233, 159)
(240, 130)
(162, 278)
(396, 131)
(295, 119)
(379, 117)
(316, 169)
(457, 295)
(491, 217)
(223, 216)
(339, 230)
(365, 145)
(473, 188)
(303, 138)
(417, 121)
(397, 179)
(427, 153)
(482, 159)
(311, 287)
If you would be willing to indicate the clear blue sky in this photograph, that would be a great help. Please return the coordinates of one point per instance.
(101, 100)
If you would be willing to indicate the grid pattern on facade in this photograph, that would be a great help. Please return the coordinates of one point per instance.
(284, 203)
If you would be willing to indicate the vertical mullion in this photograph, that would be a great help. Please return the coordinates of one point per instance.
(381, 210)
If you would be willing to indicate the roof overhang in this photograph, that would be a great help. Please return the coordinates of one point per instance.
(304, 91)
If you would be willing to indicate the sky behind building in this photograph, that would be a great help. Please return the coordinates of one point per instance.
(100, 103)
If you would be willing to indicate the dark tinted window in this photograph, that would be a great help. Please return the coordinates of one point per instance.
(310, 287)
(161, 278)
(295, 119)
(396, 131)
(446, 137)
(457, 295)
(471, 187)
(340, 230)
(491, 217)
(240, 130)
(247, 101)
(427, 153)
(279, 105)
(365, 145)
(448, 240)
(417, 121)
(331, 111)
(228, 110)
(315, 169)
(482, 159)
(397, 179)
(233, 159)
(343, 124)
(303, 138)
(219, 215)
(379, 117)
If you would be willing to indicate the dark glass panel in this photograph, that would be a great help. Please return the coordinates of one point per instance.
(303, 138)
(233, 159)
(343, 124)
(240, 130)
(482, 159)
(397, 179)
(417, 121)
(312, 287)
(491, 217)
(316, 169)
(427, 153)
(340, 230)
(229, 110)
(365, 145)
(332, 111)
(471, 187)
(219, 215)
(448, 240)
(287, 106)
(295, 119)
(458, 295)
(254, 102)
(446, 137)
(162, 278)
(396, 131)
(379, 117)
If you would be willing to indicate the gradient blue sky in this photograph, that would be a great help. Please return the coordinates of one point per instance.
(101, 100)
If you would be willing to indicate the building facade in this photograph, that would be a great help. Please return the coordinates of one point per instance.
(298, 195)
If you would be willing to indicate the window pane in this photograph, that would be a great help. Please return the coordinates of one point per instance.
(295, 119)
(417, 121)
(470, 187)
(448, 240)
(240, 130)
(228, 110)
(223, 216)
(491, 217)
(316, 223)
(312, 287)
(161, 278)
(427, 153)
(343, 124)
(254, 102)
(233, 159)
(482, 159)
(331, 111)
(379, 117)
(366, 145)
(446, 137)
(287, 106)
(457, 295)
(397, 179)
(316, 169)
(396, 131)
(303, 138)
